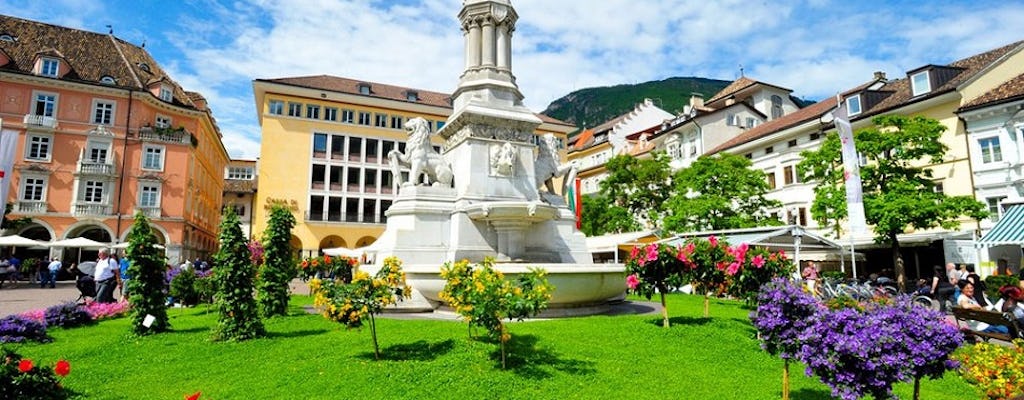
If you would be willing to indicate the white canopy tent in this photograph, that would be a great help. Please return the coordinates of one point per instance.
(79, 243)
(19, 241)
(612, 242)
(124, 245)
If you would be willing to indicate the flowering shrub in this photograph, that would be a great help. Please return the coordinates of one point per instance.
(17, 329)
(756, 267)
(20, 378)
(327, 267)
(784, 311)
(99, 311)
(996, 371)
(483, 297)
(352, 303)
(859, 353)
(67, 315)
(38, 315)
(658, 268)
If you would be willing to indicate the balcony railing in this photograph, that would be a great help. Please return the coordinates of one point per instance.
(149, 212)
(169, 135)
(92, 209)
(31, 207)
(39, 120)
(95, 168)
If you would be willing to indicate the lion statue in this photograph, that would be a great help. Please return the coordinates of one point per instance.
(420, 157)
(547, 167)
(503, 159)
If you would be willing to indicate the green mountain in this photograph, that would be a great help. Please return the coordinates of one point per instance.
(593, 106)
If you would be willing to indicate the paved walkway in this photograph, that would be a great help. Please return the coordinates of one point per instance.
(24, 296)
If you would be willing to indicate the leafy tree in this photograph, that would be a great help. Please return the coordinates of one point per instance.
(279, 265)
(897, 194)
(146, 288)
(640, 186)
(15, 223)
(601, 216)
(233, 279)
(719, 192)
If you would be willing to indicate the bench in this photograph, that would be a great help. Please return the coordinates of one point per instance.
(988, 317)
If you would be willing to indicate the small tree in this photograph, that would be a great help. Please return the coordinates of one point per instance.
(784, 311)
(709, 265)
(233, 281)
(640, 186)
(279, 264)
(146, 288)
(719, 192)
(757, 267)
(483, 297)
(601, 216)
(352, 303)
(658, 268)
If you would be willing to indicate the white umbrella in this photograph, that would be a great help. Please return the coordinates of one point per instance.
(18, 241)
(79, 242)
(344, 252)
(124, 245)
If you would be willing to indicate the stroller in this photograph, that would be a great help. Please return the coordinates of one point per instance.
(84, 282)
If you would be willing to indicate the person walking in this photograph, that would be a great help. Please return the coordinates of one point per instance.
(51, 274)
(124, 275)
(107, 276)
(810, 275)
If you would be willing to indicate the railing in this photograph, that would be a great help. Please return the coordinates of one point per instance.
(149, 212)
(31, 207)
(92, 209)
(95, 168)
(169, 135)
(40, 120)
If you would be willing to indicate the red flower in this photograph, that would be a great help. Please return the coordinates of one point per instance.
(25, 365)
(713, 240)
(194, 396)
(327, 259)
(63, 368)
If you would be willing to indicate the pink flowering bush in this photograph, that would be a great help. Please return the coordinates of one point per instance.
(653, 268)
(755, 267)
(100, 311)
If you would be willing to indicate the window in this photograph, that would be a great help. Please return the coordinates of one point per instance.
(993, 207)
(103, 112)
(751, 122)
(163, 121)
(802, 216)
(45, 105)
(731, 120)
(938, 188)
(364, 118)
(792, 143)
(166, 94)
(990, 151)
(815, 136)
(853, 105)
(347, 116)
(96, 152)
(240, 173)
(769, 150)
(440, 124)
(38, 147)
(364, 88)
(787, 175)
(396, 122)
(412, 96)
(312, 111)
(93, 192)
(330, 113)
(776, 106)
(108, 80)
(771, 179)
(276, 107)
(749, 156)
(6, 38)
(50, 67)
(294, 109)
(153, 157)
(319, 145)
(920, 84)
(380, 120)
(149, 195)
(32, 189)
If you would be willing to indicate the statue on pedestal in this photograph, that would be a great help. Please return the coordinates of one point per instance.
(420, 157)
(547, 166)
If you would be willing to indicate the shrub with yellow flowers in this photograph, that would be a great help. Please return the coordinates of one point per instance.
(327, 267)
(996, 371)
(483, 297)
(358, 301)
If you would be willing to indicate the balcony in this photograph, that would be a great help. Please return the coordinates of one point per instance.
(95, 168)
(149, 212)
(166, 135)
(30, 207)
(39, 120)
(81, 209)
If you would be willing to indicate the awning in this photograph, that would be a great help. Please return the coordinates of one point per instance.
(772, 237)
(608, 243)
(1009, 229)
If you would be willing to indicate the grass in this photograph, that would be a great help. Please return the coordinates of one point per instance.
(308, 357)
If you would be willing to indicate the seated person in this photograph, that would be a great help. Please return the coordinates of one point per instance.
(923, 289)
(1012, 299)
(966, 300)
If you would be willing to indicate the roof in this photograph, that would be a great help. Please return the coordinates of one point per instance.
(797, 117)
(736, 85)
(608, 243)
(1010, 90)
(969, 66)
(583, 138)
(380, 90)
(780, 237)
(90, 55)
(1009, 229)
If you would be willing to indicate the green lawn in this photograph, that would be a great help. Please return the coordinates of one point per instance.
(308, 357)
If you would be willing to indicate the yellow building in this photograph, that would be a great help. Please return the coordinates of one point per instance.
(324, 149)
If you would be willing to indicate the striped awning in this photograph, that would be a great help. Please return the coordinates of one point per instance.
(1009, 229)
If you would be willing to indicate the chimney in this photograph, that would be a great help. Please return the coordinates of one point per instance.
(730, 101)
(696, 100)
(880, 75)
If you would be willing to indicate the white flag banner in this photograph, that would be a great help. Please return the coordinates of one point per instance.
(8, 141)
(851, 172)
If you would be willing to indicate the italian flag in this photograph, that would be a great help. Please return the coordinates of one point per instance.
(574, 201)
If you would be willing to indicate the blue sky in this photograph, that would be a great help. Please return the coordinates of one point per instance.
(815, 47)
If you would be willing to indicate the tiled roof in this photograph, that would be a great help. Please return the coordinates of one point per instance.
(581, 140)
(970, 66)
(800, 116)
(737, 85)
(1012, 89)
(380, 90)
(239, 186)
(90, 55)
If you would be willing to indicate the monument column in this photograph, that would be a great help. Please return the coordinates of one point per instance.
(467, 38)
(504, 47)
(488, 42)
(473, 52)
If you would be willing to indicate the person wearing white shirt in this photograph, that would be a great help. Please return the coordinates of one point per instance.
(107, 276)
(51, 274)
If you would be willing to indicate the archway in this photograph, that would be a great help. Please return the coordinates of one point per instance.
(332, 241)
(365, 241)
(37, 232)
(87, 230)
(296, 245)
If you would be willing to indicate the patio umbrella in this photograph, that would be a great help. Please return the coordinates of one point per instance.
(79, 243)
(124, 245)
(18, 241)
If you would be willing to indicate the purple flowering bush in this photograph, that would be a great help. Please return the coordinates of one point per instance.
(67, 315)
(784, 311)
(17, 329)
(860, 353)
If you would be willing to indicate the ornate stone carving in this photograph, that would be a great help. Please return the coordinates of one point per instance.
(547, 167)
(420, 157)
(503, 159)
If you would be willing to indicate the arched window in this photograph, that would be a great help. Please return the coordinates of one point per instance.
(776, 106)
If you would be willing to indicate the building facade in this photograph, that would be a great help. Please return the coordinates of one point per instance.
(240, 182)
(104, 133)
(324, 153)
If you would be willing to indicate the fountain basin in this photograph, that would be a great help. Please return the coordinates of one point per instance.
(576, 285)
